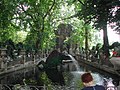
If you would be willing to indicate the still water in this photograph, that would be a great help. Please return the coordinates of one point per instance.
(34, 76)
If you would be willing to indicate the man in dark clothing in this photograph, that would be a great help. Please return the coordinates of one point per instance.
(88, 83)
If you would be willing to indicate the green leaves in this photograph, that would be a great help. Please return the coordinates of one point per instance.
(99, 11)
(39, 18)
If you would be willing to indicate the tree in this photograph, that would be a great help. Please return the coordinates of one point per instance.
(39, 18)
(32, 15)
(100, 13)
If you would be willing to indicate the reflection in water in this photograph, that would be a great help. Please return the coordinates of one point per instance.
(55, 76)
(33, 76)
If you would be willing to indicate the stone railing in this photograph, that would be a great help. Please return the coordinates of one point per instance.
(6, 62)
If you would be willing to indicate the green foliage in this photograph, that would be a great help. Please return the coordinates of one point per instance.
(6, 13)
(30, 81)
(46, 81)
(10, 33)
(100, 12)
(39, 19)
(29, 15)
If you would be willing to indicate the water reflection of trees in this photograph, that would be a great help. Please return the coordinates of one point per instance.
(33, 77)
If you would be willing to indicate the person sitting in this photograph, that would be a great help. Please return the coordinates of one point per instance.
(88, 82)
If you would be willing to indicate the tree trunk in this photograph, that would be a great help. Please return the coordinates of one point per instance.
(86, 42)
(39, 40)
(105, 42)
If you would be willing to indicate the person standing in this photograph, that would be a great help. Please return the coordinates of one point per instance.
(89, 84)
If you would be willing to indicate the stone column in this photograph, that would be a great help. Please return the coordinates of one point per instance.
(23, 56)
(3, 62)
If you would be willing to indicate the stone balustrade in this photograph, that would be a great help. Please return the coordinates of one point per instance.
(6, 62)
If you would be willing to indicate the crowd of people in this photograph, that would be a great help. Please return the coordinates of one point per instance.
(97, 50)
(96, 53)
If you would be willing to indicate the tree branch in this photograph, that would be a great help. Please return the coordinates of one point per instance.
(81, 2)
(75, 15)
(49, 10)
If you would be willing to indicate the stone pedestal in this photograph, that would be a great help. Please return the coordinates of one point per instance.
(23, 55)
(3, 62)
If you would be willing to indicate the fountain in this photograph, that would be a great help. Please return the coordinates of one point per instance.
(72, 70)
(78, 72)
